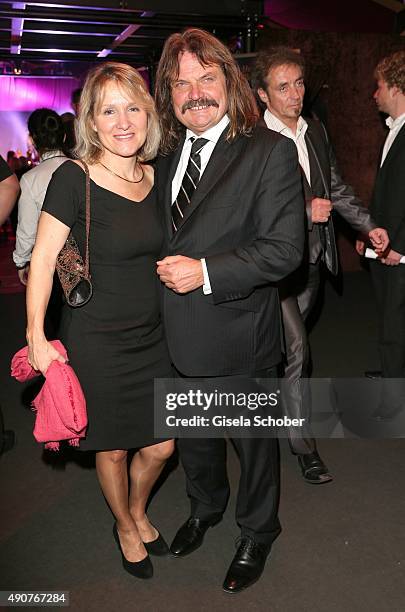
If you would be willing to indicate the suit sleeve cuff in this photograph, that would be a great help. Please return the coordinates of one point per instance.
(207, 285)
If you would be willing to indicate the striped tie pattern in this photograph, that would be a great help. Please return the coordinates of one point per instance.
(189, 184)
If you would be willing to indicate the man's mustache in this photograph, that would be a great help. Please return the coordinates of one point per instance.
(200, 102)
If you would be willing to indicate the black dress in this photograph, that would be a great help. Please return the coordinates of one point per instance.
(115, 342)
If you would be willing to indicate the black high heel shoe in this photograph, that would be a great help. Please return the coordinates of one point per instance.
(157, 547)
(140, 569)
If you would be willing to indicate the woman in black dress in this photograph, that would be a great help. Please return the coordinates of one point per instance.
(115, 342)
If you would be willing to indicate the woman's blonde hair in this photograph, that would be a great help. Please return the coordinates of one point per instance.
(88, 146)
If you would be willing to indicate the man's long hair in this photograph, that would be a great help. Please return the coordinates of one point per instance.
(242, 109)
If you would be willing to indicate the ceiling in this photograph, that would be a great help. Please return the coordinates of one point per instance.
(378, 16)
(122, 30)
(63, 37)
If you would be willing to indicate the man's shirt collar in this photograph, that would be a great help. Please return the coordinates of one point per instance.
(213, 133)
(274, 123)
(395, 123)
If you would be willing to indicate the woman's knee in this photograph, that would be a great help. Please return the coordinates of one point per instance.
(159, 452)
(114, 456)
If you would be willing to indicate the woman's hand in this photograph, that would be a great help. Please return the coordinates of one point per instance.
(41, 354)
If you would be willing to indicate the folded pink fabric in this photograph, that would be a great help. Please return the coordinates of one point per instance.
(60, 405)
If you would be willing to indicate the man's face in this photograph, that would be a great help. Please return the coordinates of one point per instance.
(199, 94)
(383, 97)
(284, 93)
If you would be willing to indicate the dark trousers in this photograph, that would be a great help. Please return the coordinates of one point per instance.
(389, 289)
(204, 463)
(298, 296)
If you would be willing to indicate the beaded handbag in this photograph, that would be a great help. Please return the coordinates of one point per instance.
(73, 273)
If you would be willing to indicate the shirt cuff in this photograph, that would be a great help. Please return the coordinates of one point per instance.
(207, 285)
(19, 262)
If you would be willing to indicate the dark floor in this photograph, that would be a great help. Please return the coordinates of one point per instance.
(343, 544)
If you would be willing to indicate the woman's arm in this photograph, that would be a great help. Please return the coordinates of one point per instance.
(51, 237)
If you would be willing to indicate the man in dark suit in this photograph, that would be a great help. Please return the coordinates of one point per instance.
(234, 228)
(388, 208)
(279, 81)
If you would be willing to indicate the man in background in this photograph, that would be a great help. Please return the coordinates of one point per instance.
(279, 82)
(75, 100)
(388, 208)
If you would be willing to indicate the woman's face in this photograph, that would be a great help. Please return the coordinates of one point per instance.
(121, 124)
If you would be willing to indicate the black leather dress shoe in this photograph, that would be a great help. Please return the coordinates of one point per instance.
(246, 567)
(190, 536)
(313, 468)
(373, 374)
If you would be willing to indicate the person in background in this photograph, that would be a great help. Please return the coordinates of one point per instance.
(9, 190)
(388, 208)
(69, 122)
(47, 134)
(279, 82)
(12, 161)
(75, 101)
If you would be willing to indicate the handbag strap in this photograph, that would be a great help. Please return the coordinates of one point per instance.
(87, 258)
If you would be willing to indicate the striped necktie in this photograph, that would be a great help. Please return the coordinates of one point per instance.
(189, 184)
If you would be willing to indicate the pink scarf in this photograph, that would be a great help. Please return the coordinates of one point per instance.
(60, 405)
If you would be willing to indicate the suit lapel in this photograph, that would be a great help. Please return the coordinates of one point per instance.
(316, 168)
(221, 158)
(395, 146)
(307, 186)
(170, 163)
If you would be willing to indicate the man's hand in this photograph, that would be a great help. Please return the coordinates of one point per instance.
(181, 274)
(379, 239)
(392, 258)
(320, 210)
(23, 274)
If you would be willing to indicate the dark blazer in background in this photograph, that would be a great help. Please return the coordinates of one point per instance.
(388, 200)
(326, 182)
(388, 209)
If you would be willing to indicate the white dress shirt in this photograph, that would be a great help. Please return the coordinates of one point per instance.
(273, 123)
(212, 135)
(34, 184)
(394, 125)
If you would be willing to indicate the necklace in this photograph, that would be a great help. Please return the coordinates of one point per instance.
(121, 177)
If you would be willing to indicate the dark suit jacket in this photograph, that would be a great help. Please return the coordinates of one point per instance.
(388, 201)
(246, 218)
(326, 182)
